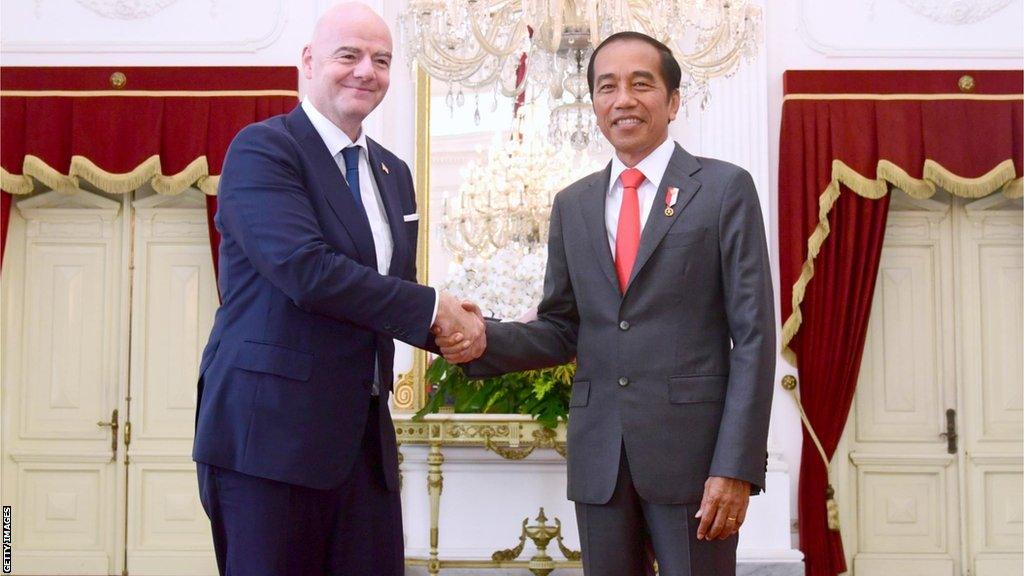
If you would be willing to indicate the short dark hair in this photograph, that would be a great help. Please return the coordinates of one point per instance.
(670, 71)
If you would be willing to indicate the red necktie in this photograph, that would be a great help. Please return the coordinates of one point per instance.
(627, 236)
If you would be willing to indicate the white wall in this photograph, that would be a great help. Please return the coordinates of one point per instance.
(742, 125)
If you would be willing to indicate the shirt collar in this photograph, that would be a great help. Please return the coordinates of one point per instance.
(334, 138)
(653, 166)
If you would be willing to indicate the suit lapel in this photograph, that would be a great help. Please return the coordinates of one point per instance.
(386, 185)
(592, 202)
(678, 174)
(336, 190)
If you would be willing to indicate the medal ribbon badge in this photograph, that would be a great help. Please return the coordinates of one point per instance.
(670, 200)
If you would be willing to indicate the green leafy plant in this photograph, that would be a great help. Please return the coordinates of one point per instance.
(544, 394)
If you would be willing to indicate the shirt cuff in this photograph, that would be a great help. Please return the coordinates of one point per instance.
(437, 300)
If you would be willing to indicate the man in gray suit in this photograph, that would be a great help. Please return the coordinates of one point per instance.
(658, 283)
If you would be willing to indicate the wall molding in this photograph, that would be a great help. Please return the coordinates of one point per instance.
(816, 43)
(251, 44)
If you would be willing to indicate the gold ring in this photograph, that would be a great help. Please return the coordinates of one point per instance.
(731, 519)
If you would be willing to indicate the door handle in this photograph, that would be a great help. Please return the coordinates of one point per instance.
(950, 434)
(113, 425)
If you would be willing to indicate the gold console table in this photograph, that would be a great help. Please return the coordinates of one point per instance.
(512, 437)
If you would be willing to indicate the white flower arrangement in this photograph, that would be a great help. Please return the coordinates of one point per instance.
(506, 285)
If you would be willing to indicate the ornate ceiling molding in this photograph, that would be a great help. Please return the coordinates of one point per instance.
(820, 35)
(956, 11)
(251, 38)
(127, 9)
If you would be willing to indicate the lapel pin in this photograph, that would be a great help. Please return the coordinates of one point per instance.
(670, 200)
(384, 168)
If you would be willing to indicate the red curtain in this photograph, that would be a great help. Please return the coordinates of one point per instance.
(846, 137)
(5, 218)
(106, 125)
(211, 211)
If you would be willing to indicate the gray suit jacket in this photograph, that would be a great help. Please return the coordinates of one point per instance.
(679, 369)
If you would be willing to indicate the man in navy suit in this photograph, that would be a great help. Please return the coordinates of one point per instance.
(294, 444)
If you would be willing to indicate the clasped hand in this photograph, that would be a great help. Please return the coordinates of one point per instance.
(459, 330)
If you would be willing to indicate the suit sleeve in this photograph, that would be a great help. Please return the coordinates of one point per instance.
(265, 208)
(550, 340)
(740, 451)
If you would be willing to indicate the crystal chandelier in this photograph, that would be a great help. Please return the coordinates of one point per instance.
(477, 44)
(504, 200)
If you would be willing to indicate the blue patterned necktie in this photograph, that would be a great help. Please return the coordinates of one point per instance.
(351, 155)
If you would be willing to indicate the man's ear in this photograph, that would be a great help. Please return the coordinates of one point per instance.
(307, 62)
(674, 99)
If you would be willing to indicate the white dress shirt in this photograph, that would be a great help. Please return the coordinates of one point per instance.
(336, 140)
(653, 168)
(383, 244)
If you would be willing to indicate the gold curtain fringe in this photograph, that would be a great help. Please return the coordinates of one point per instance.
(208, 185)
(175, 183)
(996, 179)
(1014, 189)
(898, 177)
(111, 182)
(1000, 178)
(15, 183)
(825, 203)
(149, 171)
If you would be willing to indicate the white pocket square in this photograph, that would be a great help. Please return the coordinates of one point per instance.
(411, 217)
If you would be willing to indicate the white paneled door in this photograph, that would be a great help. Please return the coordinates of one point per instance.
(929, 469)
(991, 250)
(174, 297)
(60, 383)
(106, 306)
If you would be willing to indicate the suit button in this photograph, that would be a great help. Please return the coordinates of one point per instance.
(623, 381)
(623, 325)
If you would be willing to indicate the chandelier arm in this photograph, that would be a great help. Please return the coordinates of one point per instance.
(709, 47)
(641, 14)
(468, 236)
(442, 70)
(722, 64)
(459, 250)
(433, 46)
(434, 52)
(485, 41)
(445, 66)
(726, 65)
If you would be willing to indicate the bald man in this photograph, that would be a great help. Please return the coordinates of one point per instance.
(294, 445)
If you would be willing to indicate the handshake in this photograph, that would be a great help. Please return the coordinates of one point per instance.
(459, 329)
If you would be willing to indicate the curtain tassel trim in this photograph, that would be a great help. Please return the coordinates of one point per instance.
(831, 508)
(196, 174)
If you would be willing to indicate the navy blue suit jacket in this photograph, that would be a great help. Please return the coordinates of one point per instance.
(285, 380)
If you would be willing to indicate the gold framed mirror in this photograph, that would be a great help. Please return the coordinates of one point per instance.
(410, 391)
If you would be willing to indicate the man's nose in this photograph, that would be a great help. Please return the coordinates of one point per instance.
(364, 68)
(624, 98)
